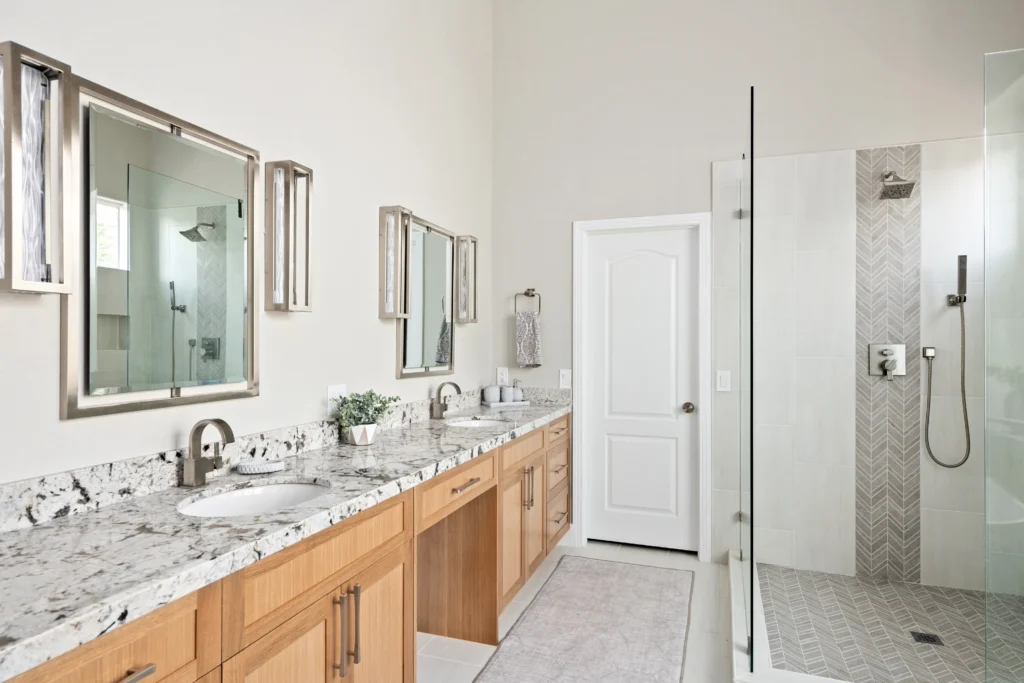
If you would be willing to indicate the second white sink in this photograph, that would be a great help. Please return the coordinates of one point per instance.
(479, 423)
(253, 500)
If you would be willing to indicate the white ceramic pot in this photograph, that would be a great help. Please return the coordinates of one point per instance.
(492, 394)
(361, 435)
(507, 394)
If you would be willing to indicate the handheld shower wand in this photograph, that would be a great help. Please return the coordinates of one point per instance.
(958, 300)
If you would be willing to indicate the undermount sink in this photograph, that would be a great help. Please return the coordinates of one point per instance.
(479, 423)
(253, 500)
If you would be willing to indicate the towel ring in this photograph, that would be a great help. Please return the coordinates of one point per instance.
(531, 292)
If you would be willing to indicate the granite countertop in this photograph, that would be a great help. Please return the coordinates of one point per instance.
(71, 580)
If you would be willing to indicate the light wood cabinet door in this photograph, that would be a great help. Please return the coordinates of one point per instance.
(513, 504)
(304, 649)
(534, 526)
(382, 621)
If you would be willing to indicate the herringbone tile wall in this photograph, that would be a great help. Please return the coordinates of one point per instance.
(888, 413)
(211, 291)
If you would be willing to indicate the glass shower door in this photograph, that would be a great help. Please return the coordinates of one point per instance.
(1004, 366)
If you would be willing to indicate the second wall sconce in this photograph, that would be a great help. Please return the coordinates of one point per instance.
(289, 194)
(465, 279)
(393, 235)
(34, 156)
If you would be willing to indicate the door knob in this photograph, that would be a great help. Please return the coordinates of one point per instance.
(688, 407)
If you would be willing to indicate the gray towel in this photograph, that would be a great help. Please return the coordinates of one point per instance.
(528, 348)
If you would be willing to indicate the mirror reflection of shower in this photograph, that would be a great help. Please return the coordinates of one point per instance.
(176, 308)
(959, 300)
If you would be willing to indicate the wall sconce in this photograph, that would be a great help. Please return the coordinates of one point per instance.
(289, 192)
(465, 279)
(393, 234)
(35, 153)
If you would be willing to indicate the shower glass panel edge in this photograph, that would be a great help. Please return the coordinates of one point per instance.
(746, 346)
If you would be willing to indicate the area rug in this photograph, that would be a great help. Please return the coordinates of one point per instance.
(596, 621)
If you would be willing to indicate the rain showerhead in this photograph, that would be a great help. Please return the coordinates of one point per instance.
(895, 187)
(193, 234)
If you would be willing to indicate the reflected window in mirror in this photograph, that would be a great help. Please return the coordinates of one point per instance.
(425, 337)
(168, 259)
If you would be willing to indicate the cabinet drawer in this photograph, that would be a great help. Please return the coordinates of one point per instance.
(557, 429)
(442, 495)
(181, 642)
(522, 448)
(264, 595)
(558, 464)
(558, 517)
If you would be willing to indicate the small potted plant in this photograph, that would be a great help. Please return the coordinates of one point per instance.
(357, 415)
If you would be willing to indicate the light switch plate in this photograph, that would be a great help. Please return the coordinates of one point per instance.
(565, 379)
(335, 391)
(503, 377)
(724, 381)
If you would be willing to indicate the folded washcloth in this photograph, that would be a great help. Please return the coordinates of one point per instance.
(528, 348)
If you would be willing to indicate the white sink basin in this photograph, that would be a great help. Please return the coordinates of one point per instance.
(253, 500)
(479, 423)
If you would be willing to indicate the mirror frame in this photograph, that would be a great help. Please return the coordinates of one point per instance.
(400, 370)
(74, 306)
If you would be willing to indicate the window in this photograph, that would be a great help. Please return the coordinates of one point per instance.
(111, 234)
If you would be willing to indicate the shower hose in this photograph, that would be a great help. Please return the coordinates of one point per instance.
(963, 399)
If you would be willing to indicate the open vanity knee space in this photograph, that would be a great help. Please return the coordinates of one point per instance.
(404, 539)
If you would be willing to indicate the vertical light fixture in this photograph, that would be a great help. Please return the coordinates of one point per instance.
(289, 194)
(35, 154)
(465, 279)
(393, 236)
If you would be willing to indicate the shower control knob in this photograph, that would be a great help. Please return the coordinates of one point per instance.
(689, 407)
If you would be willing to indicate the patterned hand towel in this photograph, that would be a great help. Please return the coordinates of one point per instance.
(528, 348)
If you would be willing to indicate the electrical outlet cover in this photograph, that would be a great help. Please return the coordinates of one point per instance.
(565, 379)
(503, 376)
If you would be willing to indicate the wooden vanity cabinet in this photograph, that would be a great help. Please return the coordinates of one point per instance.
(180, 641)
(534, 528)
(512, 503)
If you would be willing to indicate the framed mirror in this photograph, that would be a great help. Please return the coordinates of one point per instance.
(425, 339)
(167, 253)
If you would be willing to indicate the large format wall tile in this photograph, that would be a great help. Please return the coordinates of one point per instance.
(888, 426)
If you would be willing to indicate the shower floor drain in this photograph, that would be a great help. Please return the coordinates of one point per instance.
(927, 638)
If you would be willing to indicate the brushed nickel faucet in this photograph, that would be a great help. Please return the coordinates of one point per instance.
(439, 407)
(196, 467)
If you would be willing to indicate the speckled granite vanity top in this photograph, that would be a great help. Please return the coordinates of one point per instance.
(71, 580)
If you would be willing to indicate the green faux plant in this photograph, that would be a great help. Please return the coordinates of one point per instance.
(362, 409)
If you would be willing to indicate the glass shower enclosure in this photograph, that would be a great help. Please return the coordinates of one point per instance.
(1004, 361)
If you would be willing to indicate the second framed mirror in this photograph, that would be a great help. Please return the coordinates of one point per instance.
(425, 340)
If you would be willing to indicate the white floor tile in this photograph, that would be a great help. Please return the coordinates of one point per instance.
(421, 640)
(455, 650)
(707, 658)
(509, 616)
(434, 670)
(599, 550)
(636, 554)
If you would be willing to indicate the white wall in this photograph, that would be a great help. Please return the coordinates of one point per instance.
(389, 102)
(606, 109)
(953, 500)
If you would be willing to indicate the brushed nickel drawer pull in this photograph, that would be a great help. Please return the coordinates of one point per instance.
(465, 487)
(560, 432)
(561, 517)
(559, 470)
(136, 675)
(343, 667)
(357, 653)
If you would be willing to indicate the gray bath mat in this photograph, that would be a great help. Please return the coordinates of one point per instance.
(596, 621)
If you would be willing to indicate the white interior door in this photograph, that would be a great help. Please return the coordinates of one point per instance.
(640, 356)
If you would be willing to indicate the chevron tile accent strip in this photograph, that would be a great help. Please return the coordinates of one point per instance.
(888, 429)
(858, 629)
(212, 290)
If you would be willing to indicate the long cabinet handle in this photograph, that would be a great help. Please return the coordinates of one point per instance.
(527, 488)
(465, 487)
(343, 667)
(357, 592)
(136, 675)
(533, 488)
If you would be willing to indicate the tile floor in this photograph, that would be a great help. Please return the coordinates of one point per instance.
(854, 629)
(708, 656)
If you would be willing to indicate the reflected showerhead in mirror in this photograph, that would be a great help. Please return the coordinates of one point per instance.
(193, 234)
(895, 187)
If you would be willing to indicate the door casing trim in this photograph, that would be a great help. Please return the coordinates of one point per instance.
(581, 232)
